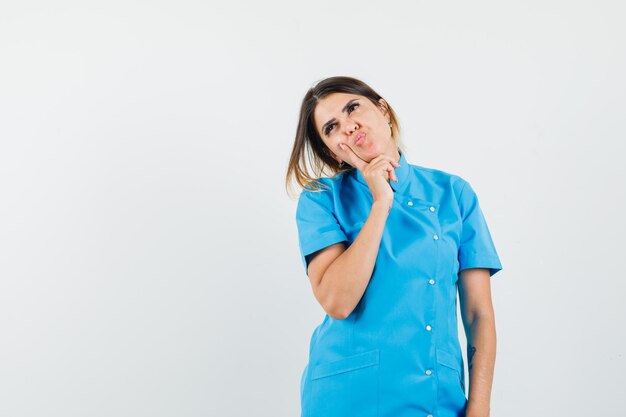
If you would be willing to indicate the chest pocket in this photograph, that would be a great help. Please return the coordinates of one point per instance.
(346, 387)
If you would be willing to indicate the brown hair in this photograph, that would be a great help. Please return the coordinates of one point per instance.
(309, 147)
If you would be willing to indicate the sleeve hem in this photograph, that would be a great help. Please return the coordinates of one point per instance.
(475, 260)
(323, 241)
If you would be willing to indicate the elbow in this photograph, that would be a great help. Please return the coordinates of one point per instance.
(475, 317)
(338, 311)
(338, 315)
(332, 303)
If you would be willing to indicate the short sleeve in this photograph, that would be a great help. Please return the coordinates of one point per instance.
(317, 225)
(476, 248)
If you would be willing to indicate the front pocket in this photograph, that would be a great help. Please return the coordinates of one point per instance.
(451, 389)
(346, 387)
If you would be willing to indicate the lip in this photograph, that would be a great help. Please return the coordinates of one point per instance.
(359, 139)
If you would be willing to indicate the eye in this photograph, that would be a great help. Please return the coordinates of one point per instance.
(350, 110)
(328, 128)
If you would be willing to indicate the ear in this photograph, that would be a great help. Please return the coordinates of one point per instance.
(385, 109)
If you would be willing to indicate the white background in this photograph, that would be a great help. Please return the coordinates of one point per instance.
(149, 262)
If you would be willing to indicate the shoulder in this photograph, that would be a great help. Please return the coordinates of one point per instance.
(324, 193)
(328, 185)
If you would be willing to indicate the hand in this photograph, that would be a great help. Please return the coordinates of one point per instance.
(377, 173)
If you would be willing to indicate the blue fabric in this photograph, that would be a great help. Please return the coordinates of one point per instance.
(382, 360)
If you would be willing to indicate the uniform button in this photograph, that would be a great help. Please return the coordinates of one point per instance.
(410, 203)
(430, 415)
(428, 372)
(432, 208)
(436, 237)
(431, 281)
(428, 328)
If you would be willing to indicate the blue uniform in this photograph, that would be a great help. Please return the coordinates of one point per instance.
(397, 354)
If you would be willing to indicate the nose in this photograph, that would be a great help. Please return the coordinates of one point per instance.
(351, 127)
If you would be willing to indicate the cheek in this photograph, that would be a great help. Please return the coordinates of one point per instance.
(334, 144)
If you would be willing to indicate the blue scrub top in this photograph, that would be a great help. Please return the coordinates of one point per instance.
(397, 353)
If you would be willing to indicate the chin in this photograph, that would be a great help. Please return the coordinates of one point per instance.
(372, 152)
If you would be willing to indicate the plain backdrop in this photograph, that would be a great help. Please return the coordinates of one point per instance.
(149, 261)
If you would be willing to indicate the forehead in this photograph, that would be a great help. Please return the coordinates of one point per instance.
(330, 106)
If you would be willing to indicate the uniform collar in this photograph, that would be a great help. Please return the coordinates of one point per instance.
(402, 172)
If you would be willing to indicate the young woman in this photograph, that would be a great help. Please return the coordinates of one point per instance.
(386, 245)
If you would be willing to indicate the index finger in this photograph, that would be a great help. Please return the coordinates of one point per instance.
(353, 158)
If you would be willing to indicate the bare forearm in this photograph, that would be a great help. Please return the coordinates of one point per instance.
(481, 354)
(348, 276)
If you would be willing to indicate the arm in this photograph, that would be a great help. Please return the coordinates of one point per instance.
(340, 276)
(480, 329)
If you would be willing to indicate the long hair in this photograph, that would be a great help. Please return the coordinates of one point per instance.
(309, 150)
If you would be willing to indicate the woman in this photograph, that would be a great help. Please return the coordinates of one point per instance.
(386, 244)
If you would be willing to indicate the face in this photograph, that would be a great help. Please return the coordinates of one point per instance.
(355, 121)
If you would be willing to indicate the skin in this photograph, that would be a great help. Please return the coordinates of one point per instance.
(339, 276)
(365, 117)
(480, 328)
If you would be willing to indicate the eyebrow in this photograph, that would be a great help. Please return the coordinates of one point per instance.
(345, 108)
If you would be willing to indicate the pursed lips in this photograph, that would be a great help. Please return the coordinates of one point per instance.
(359, 138)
